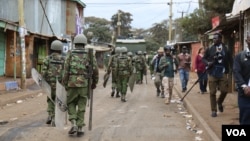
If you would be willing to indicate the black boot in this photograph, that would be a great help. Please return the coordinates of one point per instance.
(113, 92)
(158, 92)
(49, 119)
(73, 128)
(117, 94)
(80, 131)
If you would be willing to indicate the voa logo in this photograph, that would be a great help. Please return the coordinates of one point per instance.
(236, 132)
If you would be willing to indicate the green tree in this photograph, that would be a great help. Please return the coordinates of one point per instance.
(219, 6)
(159, 33)
(125, 20)
(196, 23)
(100, 28)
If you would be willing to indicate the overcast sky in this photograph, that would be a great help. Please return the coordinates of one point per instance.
(145, 12)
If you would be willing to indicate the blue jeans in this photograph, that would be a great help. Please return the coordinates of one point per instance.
(202, 81)
(184, 76)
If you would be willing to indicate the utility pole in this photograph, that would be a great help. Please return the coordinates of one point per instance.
(22, 43)
(119, 23)
(170, 21)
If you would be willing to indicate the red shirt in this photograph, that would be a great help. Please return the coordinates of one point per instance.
(199, 65)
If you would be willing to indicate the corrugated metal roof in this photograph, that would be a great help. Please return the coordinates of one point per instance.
(80, 2)
(240, 5)
(98, 48)
(130, 40)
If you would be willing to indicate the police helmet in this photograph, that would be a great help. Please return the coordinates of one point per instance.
(139, 52)
(118, 50)
(130, 53)
(56, 45)
(124, 50)
(145, 52)
(80, 39)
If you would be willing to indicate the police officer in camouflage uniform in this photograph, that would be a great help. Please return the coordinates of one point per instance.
(112, 68)
(124, 70)
(140, 65)
(75, 80)
(51, 71)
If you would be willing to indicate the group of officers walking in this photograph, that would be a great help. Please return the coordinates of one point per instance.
(75, 70)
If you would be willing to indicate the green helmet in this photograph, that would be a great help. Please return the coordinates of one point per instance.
(130, 53)
(80, 39)
(56, 45)
(124, 50)
(117, 50)
(139, 52)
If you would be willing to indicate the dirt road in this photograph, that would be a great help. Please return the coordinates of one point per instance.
(144, 117)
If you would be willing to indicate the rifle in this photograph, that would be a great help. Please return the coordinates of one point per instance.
(195, 83)
(90, 91)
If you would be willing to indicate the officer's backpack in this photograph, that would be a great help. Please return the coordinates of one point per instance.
(123, 65)
(79, 62)
(55, 67)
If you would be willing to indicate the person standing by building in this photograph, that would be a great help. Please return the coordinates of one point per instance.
(157, 73)
(184, 61)
(217, 58)
(200, 69)
(51, 72)
(241, 71)
(75, 79)
(124, 70)
(166, 65)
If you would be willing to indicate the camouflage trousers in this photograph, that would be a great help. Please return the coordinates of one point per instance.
(51, 105)
(114, 79)
(139, 75)
(76, 101)
(122, 84)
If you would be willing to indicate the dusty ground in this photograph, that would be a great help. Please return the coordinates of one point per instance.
(143, 117)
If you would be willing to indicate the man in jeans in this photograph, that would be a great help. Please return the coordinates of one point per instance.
(184, 60)
(217, 58)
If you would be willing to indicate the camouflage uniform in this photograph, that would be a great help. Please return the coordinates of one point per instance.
(51, 71)
(140, 65)
(106, 61)
(75, 80)
(124, 70)
(151, 67)
(112, 68)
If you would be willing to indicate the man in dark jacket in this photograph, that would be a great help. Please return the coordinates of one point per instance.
(241, 71)
(217, 58)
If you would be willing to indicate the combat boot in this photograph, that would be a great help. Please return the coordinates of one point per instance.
(117, 94)
(80, 131)
(158, 91)
(49, 119)
(53, 124)
(123, 99)
(73, 129)
(113, 92)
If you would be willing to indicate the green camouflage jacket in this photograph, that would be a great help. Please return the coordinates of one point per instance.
(52, 68)
(76, 69)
